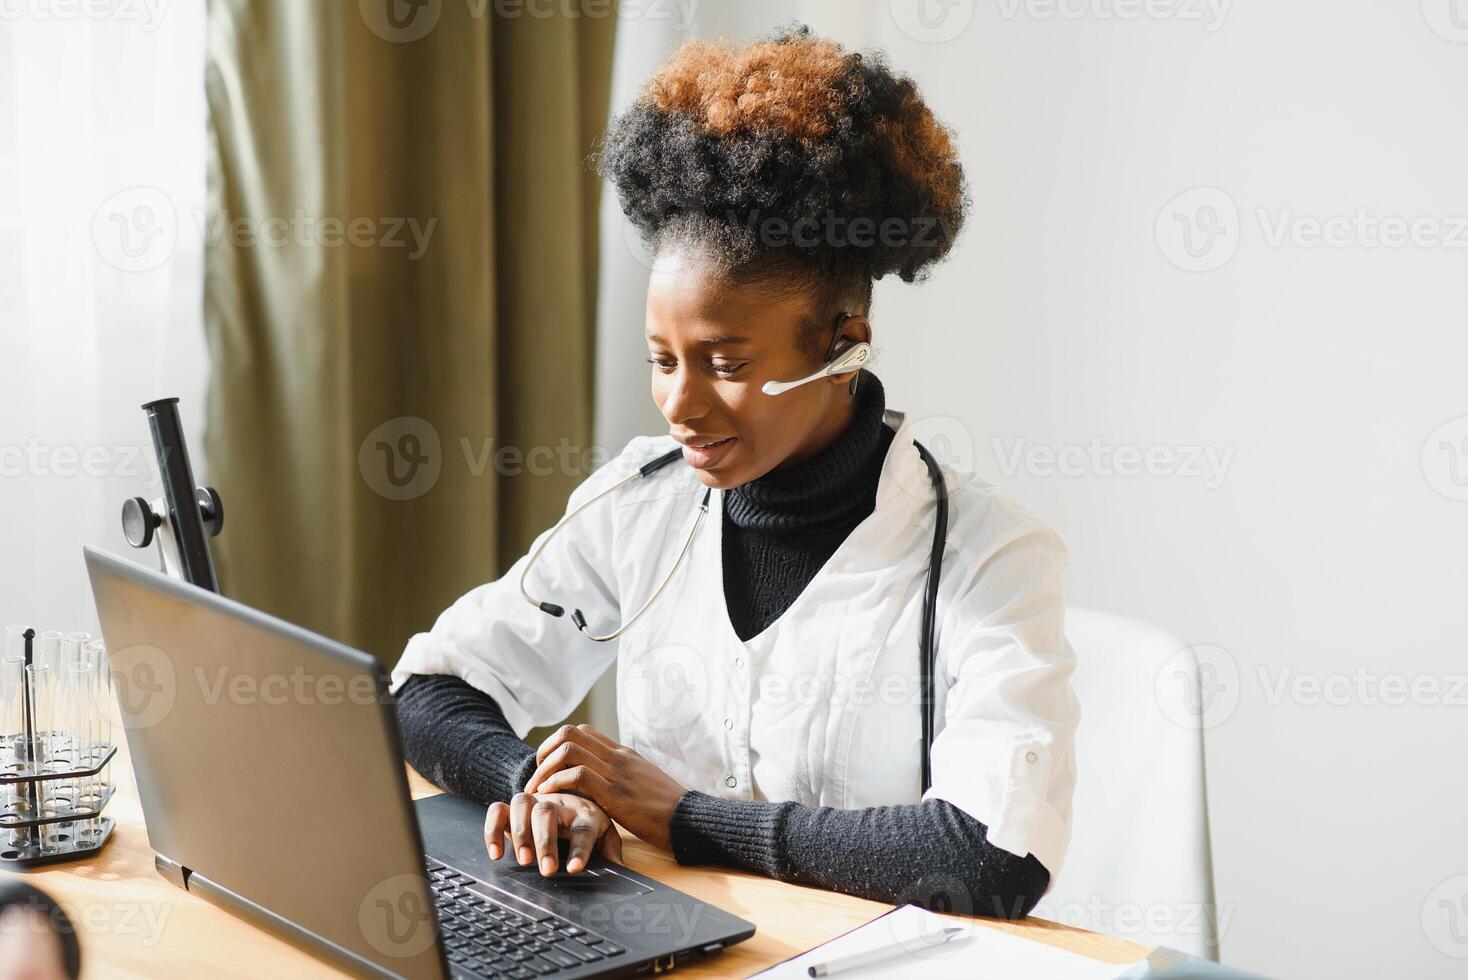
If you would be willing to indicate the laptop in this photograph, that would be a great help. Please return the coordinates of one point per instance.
(272, 783)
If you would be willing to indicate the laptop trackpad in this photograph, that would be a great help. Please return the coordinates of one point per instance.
(603, 882)
(453, 832)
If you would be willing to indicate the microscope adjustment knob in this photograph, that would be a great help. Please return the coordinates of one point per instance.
(211, 510)
(138, 522)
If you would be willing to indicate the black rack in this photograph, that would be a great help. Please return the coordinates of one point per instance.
(22, 842)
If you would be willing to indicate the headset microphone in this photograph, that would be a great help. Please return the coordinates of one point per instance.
(848, 361)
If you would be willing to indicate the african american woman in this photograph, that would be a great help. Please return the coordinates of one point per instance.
(770, 696)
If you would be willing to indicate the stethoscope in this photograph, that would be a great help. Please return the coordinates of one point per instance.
(848, 361)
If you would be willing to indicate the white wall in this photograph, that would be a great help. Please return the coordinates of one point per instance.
(1331, 543)
(102, 135)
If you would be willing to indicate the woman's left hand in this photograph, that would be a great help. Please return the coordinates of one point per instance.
(634, 792)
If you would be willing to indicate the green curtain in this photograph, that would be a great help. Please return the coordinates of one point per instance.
(400, 285)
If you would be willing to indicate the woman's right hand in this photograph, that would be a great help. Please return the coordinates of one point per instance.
(535, 822)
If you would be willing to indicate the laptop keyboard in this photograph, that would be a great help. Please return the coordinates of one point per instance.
(485, 937)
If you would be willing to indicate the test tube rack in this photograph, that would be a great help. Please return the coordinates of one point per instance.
(23, 842)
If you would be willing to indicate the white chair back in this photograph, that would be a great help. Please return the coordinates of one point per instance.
(1139, 864)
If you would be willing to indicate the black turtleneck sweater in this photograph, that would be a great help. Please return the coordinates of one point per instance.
(780, 529)
(778, 532)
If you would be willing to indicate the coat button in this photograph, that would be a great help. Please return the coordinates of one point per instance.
(730, 782)
(728, 724)
(738, 661)
(1031, 757)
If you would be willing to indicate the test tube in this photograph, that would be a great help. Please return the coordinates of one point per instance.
(82, 710)
(73, 718)
(59, 793)
(63, 744)
(72, 645)
(48, 649)
(100, 734)
(40, 704)
(47, 653)
(12, 722)
(10, 693)
(95, 653)
(38, 701)
(13, 746)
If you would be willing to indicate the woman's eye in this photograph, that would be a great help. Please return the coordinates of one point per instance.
(723, 369)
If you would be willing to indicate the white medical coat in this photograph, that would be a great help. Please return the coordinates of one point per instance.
(824, 706)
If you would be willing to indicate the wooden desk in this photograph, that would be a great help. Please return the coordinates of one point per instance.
(135, 924)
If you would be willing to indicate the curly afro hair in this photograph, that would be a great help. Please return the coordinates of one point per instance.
(789, 160)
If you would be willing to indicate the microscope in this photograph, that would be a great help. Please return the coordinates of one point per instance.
(184, 519)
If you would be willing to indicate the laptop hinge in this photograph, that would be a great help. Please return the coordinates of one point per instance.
(176, 873)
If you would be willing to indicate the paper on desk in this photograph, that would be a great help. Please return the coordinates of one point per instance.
(980, 954)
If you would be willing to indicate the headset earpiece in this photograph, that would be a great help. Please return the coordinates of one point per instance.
(831, 349)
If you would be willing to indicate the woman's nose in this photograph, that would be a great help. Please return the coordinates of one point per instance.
(684, 397)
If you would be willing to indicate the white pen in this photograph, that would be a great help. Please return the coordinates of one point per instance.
(882, 953)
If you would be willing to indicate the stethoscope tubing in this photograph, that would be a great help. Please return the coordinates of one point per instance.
(927, 643)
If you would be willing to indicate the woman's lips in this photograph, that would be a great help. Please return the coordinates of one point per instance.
(708, 455)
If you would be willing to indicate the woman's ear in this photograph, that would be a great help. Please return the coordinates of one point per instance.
(857, 330)
(851, 329)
